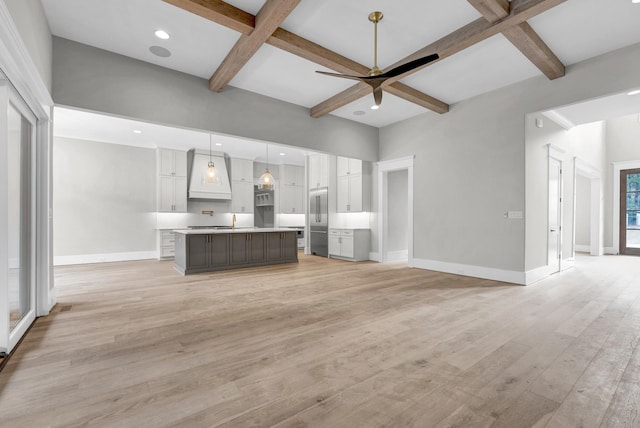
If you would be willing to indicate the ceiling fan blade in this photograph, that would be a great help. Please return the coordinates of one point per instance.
(401, 69)
(377, 95)
(344, 76)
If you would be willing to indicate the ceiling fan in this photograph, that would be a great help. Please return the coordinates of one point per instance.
(376, 77)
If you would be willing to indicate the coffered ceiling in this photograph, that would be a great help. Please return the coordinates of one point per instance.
(500, 43)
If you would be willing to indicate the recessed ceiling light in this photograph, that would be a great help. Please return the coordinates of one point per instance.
(160, 51)
(281, 154)
(137, 131)
(375, 107)
(161, 34)
(637, 91)
(218, 144)
(358, 113)
(635, 1)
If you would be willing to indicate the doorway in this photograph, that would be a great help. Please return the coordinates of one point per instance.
(394, 175)
(630, 212)
(554, 230)
(587, 212)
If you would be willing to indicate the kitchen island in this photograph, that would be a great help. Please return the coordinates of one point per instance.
(205, 250)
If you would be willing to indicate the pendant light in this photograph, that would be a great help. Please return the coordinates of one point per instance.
(210, 175)
(266, 179)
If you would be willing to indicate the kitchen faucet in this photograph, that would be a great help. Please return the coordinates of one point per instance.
(233, 222)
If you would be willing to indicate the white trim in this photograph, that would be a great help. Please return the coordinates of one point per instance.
(610, 251)
(567, 264)
(104, 258)
(559, 118)
(555, 154)
(384, 167)
(617, 167)
(534, 275)
(510, 276)
(583, 248)
(397, 256)
(374, 256)
(20, 69)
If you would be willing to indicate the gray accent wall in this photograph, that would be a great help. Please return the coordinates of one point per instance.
(104, 198)
(471, 166)
(31, 21)
(102, 81)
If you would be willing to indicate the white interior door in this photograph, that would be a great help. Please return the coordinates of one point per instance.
(554, 230)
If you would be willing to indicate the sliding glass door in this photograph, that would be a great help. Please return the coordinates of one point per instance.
(630, 212)
(17, 288)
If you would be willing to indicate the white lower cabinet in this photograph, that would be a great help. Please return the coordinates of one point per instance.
(349, 244)
(166, 244)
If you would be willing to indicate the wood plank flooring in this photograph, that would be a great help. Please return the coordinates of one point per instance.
(327, 343)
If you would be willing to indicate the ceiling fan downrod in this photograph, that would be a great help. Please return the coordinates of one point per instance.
(375, 17)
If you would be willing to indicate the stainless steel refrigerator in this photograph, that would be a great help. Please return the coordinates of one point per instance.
(318, 216)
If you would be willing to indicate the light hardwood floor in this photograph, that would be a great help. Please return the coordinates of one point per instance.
(329, 343)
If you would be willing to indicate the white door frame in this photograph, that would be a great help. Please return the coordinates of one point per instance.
(617, 167)
(584, 169)
(556, 154)
(384, 168)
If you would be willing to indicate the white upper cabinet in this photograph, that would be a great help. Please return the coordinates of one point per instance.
(292, 175)
(353, 185)
(291, 185)
(241, 170)
(318, 171)
(348, 166)
(242, 198)
(172, 181)
(172, 162)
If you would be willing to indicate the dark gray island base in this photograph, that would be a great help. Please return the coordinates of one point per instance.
(206, 250)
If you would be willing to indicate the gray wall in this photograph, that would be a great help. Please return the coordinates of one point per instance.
(470, 163)
(583, 211)
(104, 198)
(33, 27)
(623, 144)
(397, 210)
(94, 79)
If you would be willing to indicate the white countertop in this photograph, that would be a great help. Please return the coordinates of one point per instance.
(237, 230)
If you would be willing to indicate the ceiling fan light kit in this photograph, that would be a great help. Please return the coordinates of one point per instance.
(376, 77)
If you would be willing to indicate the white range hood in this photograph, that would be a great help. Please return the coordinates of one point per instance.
(198, 186)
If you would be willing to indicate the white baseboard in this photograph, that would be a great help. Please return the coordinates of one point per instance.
(610, 250)
(374, 256)
(514, 277)
(103, 258)
(537, 274)
(397, 256)
(583, 248)
(567, 264)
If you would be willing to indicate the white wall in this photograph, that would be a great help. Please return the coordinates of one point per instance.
(30, 19)
(623, 144)
(397, 210)
(94, 79)
(104, 198)
(470, 164)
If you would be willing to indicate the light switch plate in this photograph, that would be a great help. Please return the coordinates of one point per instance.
(514, 214)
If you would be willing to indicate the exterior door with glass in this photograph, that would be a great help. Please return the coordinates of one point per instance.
(630, 212)
(17, 264)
